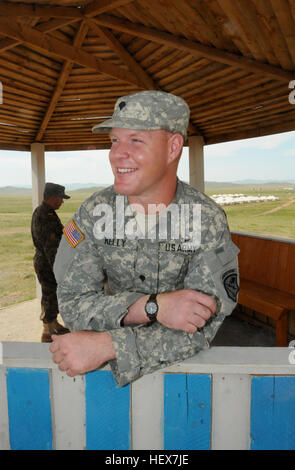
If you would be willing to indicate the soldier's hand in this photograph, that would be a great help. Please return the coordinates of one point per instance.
(81, 351)
(185, 309)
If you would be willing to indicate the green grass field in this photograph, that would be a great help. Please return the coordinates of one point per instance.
(256, 217)
(17, 276)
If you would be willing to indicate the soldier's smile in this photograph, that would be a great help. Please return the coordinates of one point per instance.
(126, 170)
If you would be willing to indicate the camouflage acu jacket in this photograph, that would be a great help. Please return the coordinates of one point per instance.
(134, 266)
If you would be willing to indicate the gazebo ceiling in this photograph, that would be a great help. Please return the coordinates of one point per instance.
(64, 63)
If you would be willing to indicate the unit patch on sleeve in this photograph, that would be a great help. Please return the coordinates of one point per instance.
(73, 234)
(230, 282)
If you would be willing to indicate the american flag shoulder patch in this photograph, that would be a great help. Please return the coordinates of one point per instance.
(73, 234)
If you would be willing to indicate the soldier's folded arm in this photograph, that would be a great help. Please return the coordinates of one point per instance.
(144, 349)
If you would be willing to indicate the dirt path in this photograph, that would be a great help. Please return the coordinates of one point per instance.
(286, 204)
(20, 322)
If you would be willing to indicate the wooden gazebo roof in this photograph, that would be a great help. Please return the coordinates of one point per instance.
(64, 63)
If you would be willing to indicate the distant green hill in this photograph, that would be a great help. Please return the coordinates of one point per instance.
(222, 184)
(246, 186)
(14, 190)
(91, 189)
(209, 186)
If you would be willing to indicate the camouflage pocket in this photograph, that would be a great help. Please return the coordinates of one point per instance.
(119, 280)
(172, 270)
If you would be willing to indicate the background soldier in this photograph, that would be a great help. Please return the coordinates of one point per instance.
(46, 230)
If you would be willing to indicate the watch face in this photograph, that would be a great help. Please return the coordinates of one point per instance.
(151, 308)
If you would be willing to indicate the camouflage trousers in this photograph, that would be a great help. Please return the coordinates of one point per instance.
(49, 305)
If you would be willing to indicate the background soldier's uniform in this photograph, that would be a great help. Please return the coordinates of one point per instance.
(46, 233)
(136, 267)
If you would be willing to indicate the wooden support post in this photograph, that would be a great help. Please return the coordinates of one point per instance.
(196, 162)
(38, 173)
(38, 184)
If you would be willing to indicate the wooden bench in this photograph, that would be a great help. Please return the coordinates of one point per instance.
(267, 278)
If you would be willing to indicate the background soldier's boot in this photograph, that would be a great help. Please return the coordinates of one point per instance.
(52, 328)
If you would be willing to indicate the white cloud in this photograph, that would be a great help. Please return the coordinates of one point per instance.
(289, 152)
(227, 149)
(15, 168)
(79, 167)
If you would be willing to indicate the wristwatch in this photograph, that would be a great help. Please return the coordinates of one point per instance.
(151, 307)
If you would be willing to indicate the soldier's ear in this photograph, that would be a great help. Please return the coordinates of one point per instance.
(175, 146)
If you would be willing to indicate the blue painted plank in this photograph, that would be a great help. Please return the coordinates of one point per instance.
(273, 413)
(107, 413)
(29, 411)
(187, 411)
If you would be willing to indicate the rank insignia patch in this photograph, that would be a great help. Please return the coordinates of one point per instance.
(73, 234)
(230, 282)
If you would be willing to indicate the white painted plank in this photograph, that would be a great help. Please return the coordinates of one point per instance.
(68, 406)
(218, 359)
(236, 360)
(4, 426)
(31, 355)
(230, 412)
(147, 418)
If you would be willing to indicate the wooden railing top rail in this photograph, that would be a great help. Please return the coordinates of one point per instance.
(265, 237)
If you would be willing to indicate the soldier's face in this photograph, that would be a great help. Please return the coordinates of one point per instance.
(139, 160)
(57, 202)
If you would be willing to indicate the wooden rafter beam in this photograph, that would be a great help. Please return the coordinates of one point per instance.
(7, 43)
(45, 27)
(39, 11)
(59, 16)
(61, 82)
(131, 63)
(194, 48)
(283, 126)
(55, 23)
(51, 46)
(62, 16)
(44, 11)
(94, 8)
(101, 6)
(123, 54)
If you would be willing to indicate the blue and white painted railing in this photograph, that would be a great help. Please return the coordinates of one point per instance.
(223, 398)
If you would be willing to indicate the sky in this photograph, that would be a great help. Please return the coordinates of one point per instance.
(263, 158)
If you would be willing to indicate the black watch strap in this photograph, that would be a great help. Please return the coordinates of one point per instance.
(152, 298)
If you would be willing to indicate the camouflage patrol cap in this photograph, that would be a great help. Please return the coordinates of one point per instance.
(149, 110)
(52, 189)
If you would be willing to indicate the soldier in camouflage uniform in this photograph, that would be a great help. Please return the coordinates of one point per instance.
(46, 229)
(167, 295)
